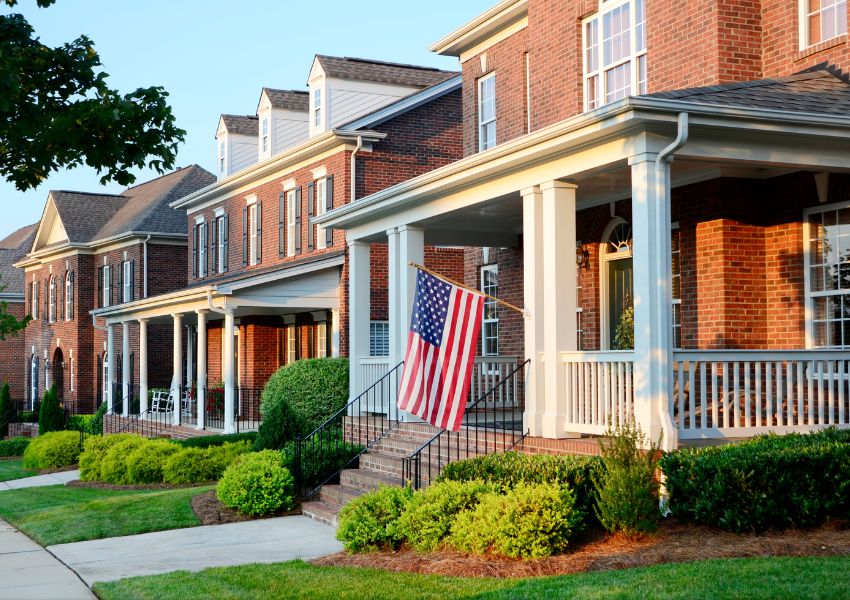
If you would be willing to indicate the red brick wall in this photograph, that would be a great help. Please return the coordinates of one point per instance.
(13, 358)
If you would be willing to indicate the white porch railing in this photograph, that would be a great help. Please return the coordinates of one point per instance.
(740, 393)
(600, 389)
(372, 368)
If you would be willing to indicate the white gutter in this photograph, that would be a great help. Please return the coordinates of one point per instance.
(145, 282)
(353, 182)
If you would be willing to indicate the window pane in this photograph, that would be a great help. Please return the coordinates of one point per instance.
(640, 26)
(618, 82)
(642, 74)
(591, 44)
(593, 92)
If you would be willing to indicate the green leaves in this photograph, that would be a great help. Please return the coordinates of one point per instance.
(57, 111)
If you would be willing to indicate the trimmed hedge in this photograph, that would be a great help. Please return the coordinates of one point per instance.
(94, 451)
(257, 484)
(53, 450)
(769, 482)
(113, 467)
(207, 441)
(14, 447)
(144, 464)
(371, 522)
(299, 397)
(196, 465)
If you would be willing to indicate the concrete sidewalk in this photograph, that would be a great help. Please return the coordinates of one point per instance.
(40, 480)
(197, 548)
(28, 571)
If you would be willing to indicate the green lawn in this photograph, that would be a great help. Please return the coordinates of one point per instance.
(718, 579)
(13, 469)
(57, 514)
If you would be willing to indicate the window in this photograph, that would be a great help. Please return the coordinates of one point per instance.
(321, 208)
(51, 300)
(202, 249)
(106, 285)
(317, 107)
(34, 300)
(290, 222)
(821, 20)
(379, 338)
(127, 281)
(265, 135)
(614, 52)
(69, 295)
(291, 355)
(33, 381)
(221, 226)
(322, 339)
(676, 283)
(827, 232)
(221, 156)
(487, 112)
(252, 228)
(73, 374)
(490, 317)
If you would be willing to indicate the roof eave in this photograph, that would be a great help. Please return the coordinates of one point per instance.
(480, 27)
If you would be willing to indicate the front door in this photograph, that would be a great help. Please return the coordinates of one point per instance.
(619, 294)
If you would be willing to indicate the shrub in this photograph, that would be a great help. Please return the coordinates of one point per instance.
(511, 468)
(257, 484)
(528, 521)
(190, 465)
(321, 460)
(53, 450)
(28, 416)
(769, 482)
(7, 411)
(370, 522)
(51, 417)
(96, 424)
(624, 335)
(431, 512)
(14, 446)
(144, 464)
(113, 466)
(94, 450)
(627, 488)
(299, 397)
(205, 441)
(80, 423)
(223, 456)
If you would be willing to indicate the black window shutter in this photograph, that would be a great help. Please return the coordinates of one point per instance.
(99, 299)
(329, 206)
(244, 237)
(298, 341)
(298, 220)
(195, 251)
(226, 242)
(132, 280)
(311, 203)
(281, 224)
(259, 232)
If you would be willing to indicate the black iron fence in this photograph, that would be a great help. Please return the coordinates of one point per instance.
(248, 408)
(338, 442)
(485, 430)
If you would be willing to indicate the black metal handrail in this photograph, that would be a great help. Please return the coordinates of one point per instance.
(475, 438)
(337, 444)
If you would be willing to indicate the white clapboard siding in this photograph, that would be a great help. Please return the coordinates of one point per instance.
(243, 153)
(347, 105)
(289, 133)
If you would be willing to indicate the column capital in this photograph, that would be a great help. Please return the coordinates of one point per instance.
(202, 311)
(557, 184)
(530, 191)
(643, 157)
(404, 228)
(143, 321)
(176, 316)
(358, 243)
(392, 231)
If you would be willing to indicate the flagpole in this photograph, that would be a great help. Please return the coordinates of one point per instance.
(466, 287)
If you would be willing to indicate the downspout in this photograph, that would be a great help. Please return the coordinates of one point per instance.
(354, 168)
(662, 192)
(145, 282)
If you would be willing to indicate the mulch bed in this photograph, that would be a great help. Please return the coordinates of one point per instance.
(149, 486)
(210, 511)
(600, 552)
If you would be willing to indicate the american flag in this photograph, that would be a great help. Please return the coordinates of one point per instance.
(440, 353)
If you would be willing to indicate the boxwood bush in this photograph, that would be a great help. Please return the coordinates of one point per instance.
(94, 450)
(371, 522)
(53, 450)
(14, 446)
(528, 521)
(113, 466)
(257, 484)
(144, 464)
(769, 482)
(197, 465)
(299, 397)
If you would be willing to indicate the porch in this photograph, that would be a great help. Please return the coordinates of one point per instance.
(746, 338)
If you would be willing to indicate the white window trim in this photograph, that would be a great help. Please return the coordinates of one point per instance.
(265, 138)
(222, 156)
(51, 299)
(68, 295)
(319, 210)
(291, 353)
(803, 23)
(316, 106)
(482, 123)
(107, 285)
(34, 300)
(322, 339)
(290, 223)
(493, 268)
(252, 234)
(606, 6)
(219, 224)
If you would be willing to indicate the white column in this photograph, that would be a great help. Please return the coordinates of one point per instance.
(334, 332)
(190, 355)
(411, 248)
(652, 297)
(532, 240)
(110, 365)
(229, 373)
(125, 368)
(359, 302)
(396, 346)
(143, 365)
(559, 298)
(202, 367)
(177, 366)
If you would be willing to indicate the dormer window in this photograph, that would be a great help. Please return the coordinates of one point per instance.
(265, 129)
(317, 107)
(221, 156)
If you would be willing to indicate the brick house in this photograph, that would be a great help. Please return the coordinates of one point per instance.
(99, 250)
(12, 368)
(733, 257)
(266, 286)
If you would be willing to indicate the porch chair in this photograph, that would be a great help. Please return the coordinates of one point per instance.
(161, 402)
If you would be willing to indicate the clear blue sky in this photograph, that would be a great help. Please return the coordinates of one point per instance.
(214, 56)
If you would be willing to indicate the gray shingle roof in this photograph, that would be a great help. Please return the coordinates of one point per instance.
(241, 124)
(288, 99)
(818, 91)
(13, 248)
(362, 69)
